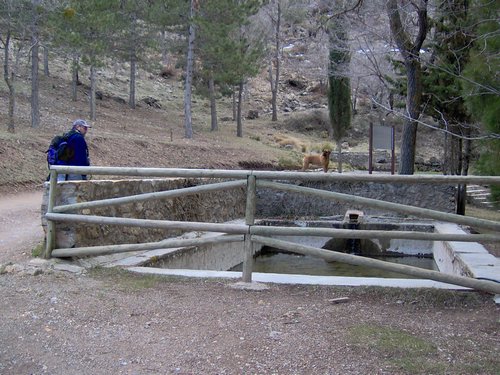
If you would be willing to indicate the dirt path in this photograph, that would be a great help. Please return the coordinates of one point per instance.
(112, 322)
(20, 225)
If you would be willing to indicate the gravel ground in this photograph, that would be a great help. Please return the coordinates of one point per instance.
(114, 322)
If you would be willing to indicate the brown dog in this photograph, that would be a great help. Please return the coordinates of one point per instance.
(321, 160)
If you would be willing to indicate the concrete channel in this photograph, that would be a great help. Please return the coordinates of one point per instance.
(214, 260)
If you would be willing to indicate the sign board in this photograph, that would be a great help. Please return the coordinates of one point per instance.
(382, 137)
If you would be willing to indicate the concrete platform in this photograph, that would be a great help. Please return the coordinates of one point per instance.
(275, 278)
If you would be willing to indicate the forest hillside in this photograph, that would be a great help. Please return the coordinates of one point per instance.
(152, 135)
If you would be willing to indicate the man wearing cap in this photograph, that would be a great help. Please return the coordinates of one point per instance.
(79, 152)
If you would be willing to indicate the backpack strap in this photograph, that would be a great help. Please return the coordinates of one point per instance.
(68, 135)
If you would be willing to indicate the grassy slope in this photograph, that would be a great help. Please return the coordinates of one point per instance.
(145, 137)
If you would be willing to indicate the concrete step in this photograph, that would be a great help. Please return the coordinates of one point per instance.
(480, 196)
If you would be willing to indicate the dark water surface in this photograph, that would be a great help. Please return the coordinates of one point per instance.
(306, 265)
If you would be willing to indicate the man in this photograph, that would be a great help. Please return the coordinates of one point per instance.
(78, 150)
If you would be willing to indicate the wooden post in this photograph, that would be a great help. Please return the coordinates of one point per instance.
(277, 175)
(51, 226)
(370, 150)
(123, 248)
(393, 151)
(182, 192)
(148, 223)
(249, 220)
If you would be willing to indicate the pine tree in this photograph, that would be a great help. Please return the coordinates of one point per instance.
(85, 29)
(339, 91)
(14, 16)
(481, 86)
(229, 49)
(442, 93)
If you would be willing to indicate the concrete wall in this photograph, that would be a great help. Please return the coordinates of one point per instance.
(274, 203)
(217, 257)
(469, 259)
(206, 207)
(219, 206)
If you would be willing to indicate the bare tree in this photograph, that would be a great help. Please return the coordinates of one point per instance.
(410, 51)
(188, 124)
(35, 43)
(275, 64)
(11, 26)
(9, 77)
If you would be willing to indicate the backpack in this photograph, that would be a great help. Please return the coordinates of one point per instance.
(58, 151)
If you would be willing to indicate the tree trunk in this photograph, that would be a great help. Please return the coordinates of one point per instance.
(74, 80)
(467, 153)
(234, 104)
(239, 124)
(35, 62)
(133, 64)
(465, 168)
(339, 151)
(413, 100)
(35, 109)
(11, 128)
(9, 77)
(410, 51)
(213, 108)
(188, 126)
(275, 82)
(46, 71)
(466, 156)
(93, 85)
(164, 48)
(355, 98)
(133, 68)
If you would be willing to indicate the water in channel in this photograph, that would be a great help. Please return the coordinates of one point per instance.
(287, 263)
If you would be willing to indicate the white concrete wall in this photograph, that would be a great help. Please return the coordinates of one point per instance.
(464, 258)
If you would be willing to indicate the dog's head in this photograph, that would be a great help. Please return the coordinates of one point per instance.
(326, 153)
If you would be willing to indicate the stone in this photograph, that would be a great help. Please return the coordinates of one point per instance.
(250, 286)
(69, 268)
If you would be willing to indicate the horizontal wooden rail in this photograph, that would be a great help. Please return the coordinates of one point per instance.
(165, 244)
(148, 223)
(370, 234)
(250, 233)
(329, 255)
(389, 206)
(151, 196)
(277, 175)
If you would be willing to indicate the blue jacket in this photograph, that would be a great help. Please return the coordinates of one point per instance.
(78, 145)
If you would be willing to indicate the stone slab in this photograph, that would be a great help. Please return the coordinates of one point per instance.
(302, 279)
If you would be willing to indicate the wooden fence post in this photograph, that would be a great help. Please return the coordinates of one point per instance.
(51, 226)
(249, 220)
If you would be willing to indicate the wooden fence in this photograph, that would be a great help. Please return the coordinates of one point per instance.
(250, 232)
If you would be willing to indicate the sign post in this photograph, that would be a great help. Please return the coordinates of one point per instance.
(381, 137)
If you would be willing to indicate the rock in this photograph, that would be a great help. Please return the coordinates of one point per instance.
(152, 102)
(69, 268)
(118, 100)
(250, 286)
(252, 114)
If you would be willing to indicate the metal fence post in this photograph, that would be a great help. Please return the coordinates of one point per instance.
(249, 220)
